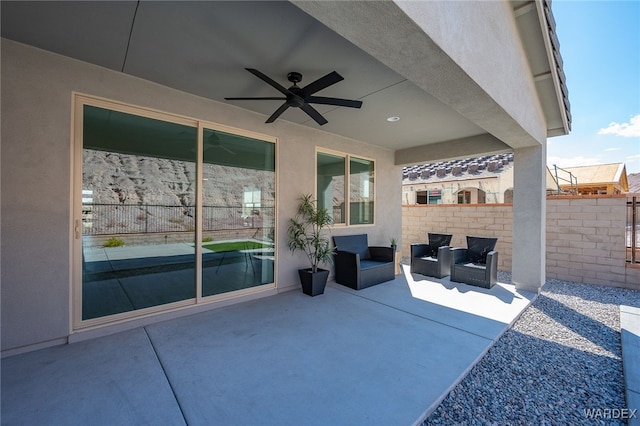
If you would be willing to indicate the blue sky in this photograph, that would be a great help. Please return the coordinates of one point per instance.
(600, 46)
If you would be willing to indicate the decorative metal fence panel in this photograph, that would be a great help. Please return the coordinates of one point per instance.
(633, 230)
(107, 219)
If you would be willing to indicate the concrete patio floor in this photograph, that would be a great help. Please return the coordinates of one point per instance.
(386, 355)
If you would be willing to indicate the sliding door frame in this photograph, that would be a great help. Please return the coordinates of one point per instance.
(79, 100)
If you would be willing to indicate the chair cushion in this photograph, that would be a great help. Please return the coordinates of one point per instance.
(478, 248)
(353, 243)
(368, 264)
(438, 240)
(429, 258)
(476, 265)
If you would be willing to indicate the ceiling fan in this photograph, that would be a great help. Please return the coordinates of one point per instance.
(302, 97)
(210, 142)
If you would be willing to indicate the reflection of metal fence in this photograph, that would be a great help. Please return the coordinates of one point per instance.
(633, 230)
(105, 219)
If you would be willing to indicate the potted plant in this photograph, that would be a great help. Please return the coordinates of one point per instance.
(307, 233)
(393, 242)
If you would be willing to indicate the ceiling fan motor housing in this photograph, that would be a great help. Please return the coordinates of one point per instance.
(296, 98)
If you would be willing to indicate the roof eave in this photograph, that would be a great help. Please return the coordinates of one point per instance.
(552, 47)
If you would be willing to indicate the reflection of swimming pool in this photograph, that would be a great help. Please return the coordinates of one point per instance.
(123, 279)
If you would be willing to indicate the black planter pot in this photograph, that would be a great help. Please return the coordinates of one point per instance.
(313, 283)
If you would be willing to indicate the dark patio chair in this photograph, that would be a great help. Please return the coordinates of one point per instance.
(477, 264)
(359, 265)
(432, 259)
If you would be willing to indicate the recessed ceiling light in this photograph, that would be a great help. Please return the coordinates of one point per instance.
(393, 119)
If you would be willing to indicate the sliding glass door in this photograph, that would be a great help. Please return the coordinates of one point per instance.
(238, 212)
(172, 212)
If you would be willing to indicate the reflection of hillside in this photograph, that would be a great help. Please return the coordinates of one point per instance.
(157, 193)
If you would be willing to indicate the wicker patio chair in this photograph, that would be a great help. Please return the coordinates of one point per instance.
(477, 264)
(434, 258)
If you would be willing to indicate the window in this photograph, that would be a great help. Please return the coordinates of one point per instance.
(360, 191)
(330, 175)
(169, 212)
(464, 197)
(431, 196)
(345, 186)
(508, 196)
(632, 233)
(482, 196)
(435, 196)
(251, 202)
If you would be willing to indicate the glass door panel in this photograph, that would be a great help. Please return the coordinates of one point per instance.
(361, 192)
(330, 175)
(238, 212)
(138, 212)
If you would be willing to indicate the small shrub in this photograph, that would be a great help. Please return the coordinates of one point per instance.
(114, 242)
(207, 239)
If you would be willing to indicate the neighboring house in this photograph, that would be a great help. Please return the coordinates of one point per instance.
(468, 181)
(489, 179)
(125, 103)
(634, 183)
(480, 180)
(590, 180)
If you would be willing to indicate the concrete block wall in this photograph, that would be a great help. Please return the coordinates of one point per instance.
(480, 220)
(586, 241)
(585, 235)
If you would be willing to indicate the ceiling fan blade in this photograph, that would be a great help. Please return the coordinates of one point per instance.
(313, 113)
(321, 83)
(278, 112)
(268, 80)
(333, 101)
(257, 99)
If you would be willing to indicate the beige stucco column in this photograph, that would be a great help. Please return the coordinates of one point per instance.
(529, 218)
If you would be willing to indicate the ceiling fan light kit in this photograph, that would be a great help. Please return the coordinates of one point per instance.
(301, 97)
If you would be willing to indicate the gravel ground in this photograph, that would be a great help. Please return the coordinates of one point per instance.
(561, 358)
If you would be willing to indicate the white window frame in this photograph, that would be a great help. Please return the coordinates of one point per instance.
(347, 182)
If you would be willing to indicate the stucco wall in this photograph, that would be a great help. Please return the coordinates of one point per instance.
(585, 235)
(37, 90)
(468, 55)
(490, 57)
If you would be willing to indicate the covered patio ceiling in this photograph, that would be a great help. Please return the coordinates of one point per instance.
(204, 47)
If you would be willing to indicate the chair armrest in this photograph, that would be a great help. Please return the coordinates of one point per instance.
(381, 254)
(444, 254)
(458, 255)
(492, 260)
(347, 267)
(420, 250)
(492, 268)
(346, 257)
